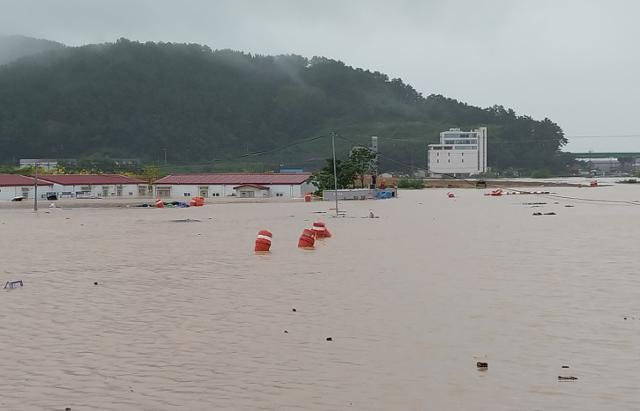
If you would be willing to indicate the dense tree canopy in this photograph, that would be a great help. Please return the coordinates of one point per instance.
(130, 99)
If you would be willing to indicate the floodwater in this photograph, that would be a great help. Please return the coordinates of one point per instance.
(186, 317)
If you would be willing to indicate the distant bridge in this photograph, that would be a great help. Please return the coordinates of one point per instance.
(605, 155)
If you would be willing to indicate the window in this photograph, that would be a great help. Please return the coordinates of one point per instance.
(437, 155)
(142, 190)
(130, 193)
(462, 154)
(163, 192)
(187, 194)
(279, 194)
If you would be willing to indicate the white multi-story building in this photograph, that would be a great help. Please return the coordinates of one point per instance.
(460, 153)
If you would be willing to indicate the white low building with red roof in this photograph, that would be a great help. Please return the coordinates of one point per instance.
(244, 185)
(97, 185)
(15, 185)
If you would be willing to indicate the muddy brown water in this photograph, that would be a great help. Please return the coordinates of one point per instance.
(187, 317)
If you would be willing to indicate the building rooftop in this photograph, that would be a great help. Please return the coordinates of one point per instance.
(235, 179)
(91, 179)
(14, 180)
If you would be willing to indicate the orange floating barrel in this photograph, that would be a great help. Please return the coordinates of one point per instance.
(307, 239)
(159, 203)
(263, 240)
(321, 230)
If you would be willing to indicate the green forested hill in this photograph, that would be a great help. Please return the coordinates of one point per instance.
(130, 99)
(15, 47)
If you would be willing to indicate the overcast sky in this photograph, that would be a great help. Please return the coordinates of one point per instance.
(576, 62)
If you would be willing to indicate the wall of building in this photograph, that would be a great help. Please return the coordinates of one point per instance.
(453, 161)
(7, 193)
(180, 191)
(111, 190)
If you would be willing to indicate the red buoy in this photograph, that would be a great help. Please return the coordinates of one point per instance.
(321, 230)
(196, 202)
(263, 240)
(307, 198)
(307, 239)
(451, 195)
(159, 203)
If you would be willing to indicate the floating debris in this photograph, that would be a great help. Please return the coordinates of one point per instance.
(565, 366)
(482, 365)
(95, 283)
(185, 220)
(13, 284)
(329, 339)
(569, 378)
(286, 332)
(569, 205)
(294, 310)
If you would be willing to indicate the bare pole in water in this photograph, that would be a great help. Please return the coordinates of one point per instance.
(35, 189)
(335, 173)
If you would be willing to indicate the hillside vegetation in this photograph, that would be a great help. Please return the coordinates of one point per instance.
(14, 47)
(134, 100)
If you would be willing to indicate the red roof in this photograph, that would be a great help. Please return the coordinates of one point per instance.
(259, 187)
(14, 180)
(90, 179)
(235, 179)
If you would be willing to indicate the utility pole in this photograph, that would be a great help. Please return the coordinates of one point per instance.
(335, 173)
(165, 156)
(35, 190)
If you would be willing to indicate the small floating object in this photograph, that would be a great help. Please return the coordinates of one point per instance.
(294, 310)
(482, 365)
(371, 214)
(593, 183)
(569, 205)
(95, 283)
(159, 203)
(286, 332)
(307, 239)
(13, 284)
(321, 230)
(185, 220)
(451, 195)
(307, 198)
(565, 366)
(263, 241)
(329, 339)
(551, 213)
(569, 378)
(537, 213)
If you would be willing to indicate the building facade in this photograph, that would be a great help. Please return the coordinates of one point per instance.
(97, 186)
(459, 153)
(14, 185)
(243, 185)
